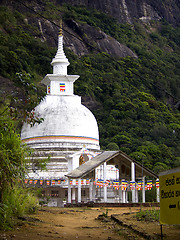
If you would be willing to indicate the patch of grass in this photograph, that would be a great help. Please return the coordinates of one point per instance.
(16, 203)
(148, 215)
(105, 214)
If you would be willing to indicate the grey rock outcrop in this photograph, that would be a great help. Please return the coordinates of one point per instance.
(79, 38)
(93, 39)
(130, 10)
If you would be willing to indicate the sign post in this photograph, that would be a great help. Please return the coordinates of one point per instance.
(170, 196)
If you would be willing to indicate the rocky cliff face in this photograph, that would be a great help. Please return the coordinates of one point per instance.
(80, 38)
(84, 35)
(130, 10)
(92, 39)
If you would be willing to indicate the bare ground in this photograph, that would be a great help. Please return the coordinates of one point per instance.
(83, 223)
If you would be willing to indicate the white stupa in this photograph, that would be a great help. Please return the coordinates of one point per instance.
(67, 123)
(68, 133)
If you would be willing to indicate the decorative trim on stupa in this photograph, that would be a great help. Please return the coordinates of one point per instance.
(62, 138)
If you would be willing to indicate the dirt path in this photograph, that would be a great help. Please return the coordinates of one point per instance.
(74, 223)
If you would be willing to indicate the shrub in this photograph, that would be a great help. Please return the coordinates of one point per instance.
(148, 215)
(16, 203)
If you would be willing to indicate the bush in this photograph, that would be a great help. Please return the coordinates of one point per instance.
(16, 203)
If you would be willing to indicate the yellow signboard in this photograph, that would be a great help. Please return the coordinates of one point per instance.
(170, 196)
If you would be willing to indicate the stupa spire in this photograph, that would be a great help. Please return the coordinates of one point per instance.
(60, 83)
(60, 62)
(60, 29)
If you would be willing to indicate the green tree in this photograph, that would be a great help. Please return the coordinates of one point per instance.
(12, 153)
(112, 146)
(159, 167)
(15, 200)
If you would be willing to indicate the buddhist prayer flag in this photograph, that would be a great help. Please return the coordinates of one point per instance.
(107, 182)
(124, 185)
(62, 87)
(59, 182)
(115, 184)
(87, 181)
(48, 182)
(132, 185)
(53, 182)
(48, 89)
(139, 185)
(35, 181)
(41, 182)
(149, 184)
(157, 183)
(99, 183)
(26, 181)
(71, 182)
(30, 181)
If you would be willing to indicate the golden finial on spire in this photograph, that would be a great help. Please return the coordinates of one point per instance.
(60, 29)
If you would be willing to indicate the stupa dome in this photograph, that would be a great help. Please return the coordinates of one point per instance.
(67, 123)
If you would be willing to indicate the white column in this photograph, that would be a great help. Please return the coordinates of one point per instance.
(143, 190)
(91, 191)
(120, 195)
(123, 196)
(69, 191)
(157, 194)
(105, 187)
(123, 193)
(79, 190)
(73, 195)
(126, 193)
(136, 196)
(133, 177)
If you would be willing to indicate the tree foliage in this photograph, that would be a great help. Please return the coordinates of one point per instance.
(12, 153)
(15, 200)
